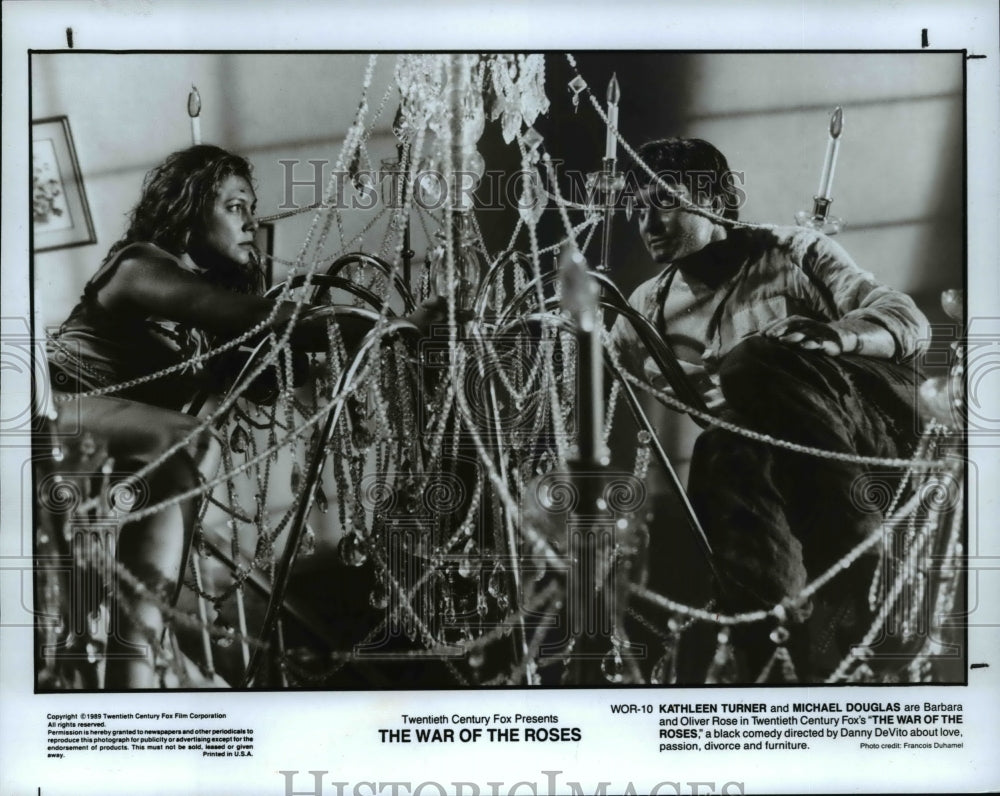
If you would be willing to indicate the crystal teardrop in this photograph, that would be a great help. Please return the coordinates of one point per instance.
(307, 542)
(531, 204)
(379, 597)
(351, 550)
(510, 124)
(468, 566)
(665, 669)
(239, 440)
(496, 585)
(354, 170)
(723, 668)
(321, 501)
(612, 666)
(225, 631)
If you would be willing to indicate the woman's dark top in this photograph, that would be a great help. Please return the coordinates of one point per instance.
(98, 348)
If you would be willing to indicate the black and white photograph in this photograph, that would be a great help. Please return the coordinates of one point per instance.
(471, 438)
(604, 400)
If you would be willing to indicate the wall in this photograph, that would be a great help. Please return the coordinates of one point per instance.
(898, 180)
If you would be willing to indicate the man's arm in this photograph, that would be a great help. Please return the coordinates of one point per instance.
(857, 337)
(874, 319)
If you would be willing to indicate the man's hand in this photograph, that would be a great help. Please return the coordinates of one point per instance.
(812, 335)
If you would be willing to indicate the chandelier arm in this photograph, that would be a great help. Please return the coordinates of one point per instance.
(529, 291)
(360, 258)
(495, 270)
(643, 421)
(613, 299)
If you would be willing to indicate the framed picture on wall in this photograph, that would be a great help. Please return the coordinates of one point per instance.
(59, 211)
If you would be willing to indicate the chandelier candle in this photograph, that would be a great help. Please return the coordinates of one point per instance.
(611, 140)
(820, 217)
(194, 111)
(607, 182)
(832, 148)
(581, 297)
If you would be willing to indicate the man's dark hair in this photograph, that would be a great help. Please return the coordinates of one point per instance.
(695, 164)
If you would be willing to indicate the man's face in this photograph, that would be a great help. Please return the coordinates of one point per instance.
(669, 230)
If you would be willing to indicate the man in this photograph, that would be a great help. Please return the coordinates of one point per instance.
(782, 334)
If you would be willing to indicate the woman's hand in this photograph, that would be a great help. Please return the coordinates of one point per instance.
(434, 312)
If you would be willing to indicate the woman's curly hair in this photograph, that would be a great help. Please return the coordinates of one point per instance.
(176, 198)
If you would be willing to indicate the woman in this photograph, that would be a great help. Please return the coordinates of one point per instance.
(182, 279)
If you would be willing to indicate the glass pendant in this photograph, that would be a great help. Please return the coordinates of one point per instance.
(531, 203)
(510, 124)
(307, 542)
(612, 665)
(468, 566)
(354, 171)
(430, 184)
(321, 501)
(497, 586)
(225, 635)
(665, 669)
(577, 85)
(780, 667)
(239, 440)
(401, 126)
(532, 142)
(379, 597)
(352, 550)
(95, 651)
(723, 668)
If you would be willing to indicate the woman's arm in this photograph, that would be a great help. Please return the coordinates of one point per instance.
(155, 284)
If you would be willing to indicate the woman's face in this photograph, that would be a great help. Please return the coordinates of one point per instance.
(228, 231)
